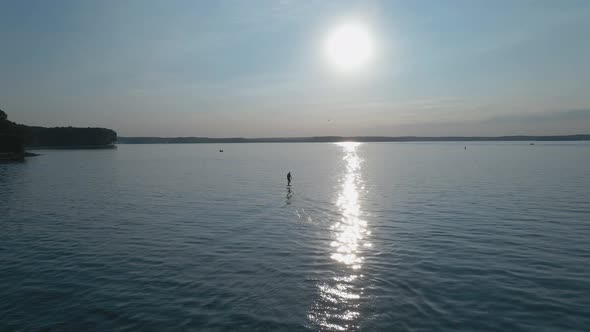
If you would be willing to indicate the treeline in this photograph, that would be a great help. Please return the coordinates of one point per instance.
(71, 137)
(9, 128)
(15, 136)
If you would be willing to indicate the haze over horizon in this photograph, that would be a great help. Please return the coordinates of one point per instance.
(259, 68)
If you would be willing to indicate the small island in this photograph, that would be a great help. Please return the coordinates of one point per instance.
(16, 138)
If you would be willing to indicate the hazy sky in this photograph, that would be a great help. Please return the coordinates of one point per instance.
(257, 68)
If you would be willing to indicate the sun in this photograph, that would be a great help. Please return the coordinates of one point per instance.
(349, 46)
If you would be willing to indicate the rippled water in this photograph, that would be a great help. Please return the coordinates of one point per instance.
(374, 236)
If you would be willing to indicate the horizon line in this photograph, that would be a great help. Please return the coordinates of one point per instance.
(328, 139)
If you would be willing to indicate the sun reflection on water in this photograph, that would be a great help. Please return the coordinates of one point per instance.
(337, 308)
(351, 228)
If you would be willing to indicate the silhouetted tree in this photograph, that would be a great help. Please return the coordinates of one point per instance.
(12, 138)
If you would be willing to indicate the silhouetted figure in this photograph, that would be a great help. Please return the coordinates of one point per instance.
(465, 148)
(289, 178)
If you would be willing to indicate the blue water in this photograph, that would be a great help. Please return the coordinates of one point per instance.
(372, 237)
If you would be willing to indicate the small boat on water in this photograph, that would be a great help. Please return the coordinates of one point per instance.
(220, 150)
(531, 143)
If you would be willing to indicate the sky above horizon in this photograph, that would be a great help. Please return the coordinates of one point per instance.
(257, 68)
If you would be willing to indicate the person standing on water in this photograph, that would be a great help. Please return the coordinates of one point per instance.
(289, 178)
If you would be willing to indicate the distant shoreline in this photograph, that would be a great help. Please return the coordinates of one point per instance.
(335, 139)
(73, 147)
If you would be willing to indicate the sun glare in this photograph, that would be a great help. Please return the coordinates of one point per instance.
(349, 46)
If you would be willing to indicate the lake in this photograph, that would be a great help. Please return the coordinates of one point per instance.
(372, 237)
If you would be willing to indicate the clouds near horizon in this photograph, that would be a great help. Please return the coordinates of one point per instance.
(254, 68)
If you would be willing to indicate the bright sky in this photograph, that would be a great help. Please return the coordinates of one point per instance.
(261, 68)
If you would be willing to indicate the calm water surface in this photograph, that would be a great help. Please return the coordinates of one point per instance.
(372, 237)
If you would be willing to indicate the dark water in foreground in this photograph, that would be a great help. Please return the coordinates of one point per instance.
(373, 237)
